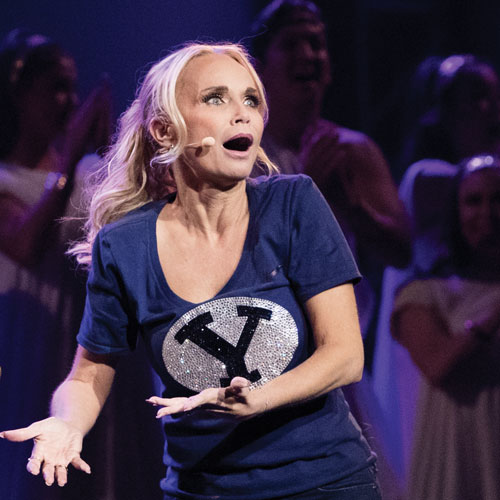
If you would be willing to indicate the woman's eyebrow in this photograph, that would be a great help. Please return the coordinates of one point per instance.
(221, 89)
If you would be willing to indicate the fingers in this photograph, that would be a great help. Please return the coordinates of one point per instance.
(208, 396)
(56, 445)
(53, 473)
(170, 405)
(239, 383)
(48, 473)
(22, 434)
(156, 401)
(61, 474)
(222, 398)
(34, 464)
(80, 464)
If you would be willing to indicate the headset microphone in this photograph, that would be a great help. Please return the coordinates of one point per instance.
(207, 142)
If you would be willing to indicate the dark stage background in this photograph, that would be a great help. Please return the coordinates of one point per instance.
(375, 45)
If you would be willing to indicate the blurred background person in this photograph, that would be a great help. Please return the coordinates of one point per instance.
(45, 138)
(460, 117)
(293, 60)
(450, 324)
(43, 142)
(290, 48)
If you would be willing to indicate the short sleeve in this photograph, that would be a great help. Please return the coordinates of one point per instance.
(415, 293)
(320, 257)
(107, 326)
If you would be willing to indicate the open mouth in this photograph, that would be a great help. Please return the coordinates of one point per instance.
(239, 143)
(307, 77)
(308, 73)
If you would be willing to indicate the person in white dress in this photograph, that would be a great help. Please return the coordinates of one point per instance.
(450, 325)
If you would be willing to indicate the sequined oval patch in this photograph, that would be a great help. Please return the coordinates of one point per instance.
(235, 336)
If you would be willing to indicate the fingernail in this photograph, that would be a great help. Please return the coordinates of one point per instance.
(2, 435)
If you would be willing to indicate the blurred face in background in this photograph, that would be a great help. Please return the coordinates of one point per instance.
(474, 107)
(479, 212)
(47, 102)
(296, 67)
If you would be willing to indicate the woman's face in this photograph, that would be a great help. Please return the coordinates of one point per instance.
(218, 98)
(479, 211)
(49, 101)
(477, 99)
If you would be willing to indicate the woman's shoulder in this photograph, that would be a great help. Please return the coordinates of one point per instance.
(280, 195)
(134, 221)
(429, 168)
(273, 184)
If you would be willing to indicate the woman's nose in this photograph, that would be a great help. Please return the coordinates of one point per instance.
(241, 114)
(304, 50)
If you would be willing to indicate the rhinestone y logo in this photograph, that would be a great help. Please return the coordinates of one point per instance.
(224, 338)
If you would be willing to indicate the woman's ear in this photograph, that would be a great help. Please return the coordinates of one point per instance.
(163, 132)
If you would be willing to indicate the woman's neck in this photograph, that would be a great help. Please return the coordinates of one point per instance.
(210, 211)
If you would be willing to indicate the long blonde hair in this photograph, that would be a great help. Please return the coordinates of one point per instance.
(135, 168)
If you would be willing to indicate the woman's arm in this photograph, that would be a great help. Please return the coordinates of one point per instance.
(75, 407)
(23, 228)
(421, 330)
(337, 360)
(376, 213)
(80, 398)
(353, 175)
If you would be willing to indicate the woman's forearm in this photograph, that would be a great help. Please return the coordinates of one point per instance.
(338, 358)
(80, 398)
(76, 403)
(328, 368)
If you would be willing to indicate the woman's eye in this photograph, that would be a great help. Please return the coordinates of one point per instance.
(252, 100)
(215, 99)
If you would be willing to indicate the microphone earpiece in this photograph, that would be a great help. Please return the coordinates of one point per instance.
(207, 142)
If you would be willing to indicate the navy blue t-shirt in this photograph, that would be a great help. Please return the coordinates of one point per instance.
(254, 327)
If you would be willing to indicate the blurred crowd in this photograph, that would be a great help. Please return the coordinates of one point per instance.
(429, 251)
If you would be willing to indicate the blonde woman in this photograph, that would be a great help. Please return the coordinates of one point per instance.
(240, 289)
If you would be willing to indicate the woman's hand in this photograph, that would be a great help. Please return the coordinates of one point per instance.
(56, 445)
(90, 126)
(323, 155)
(234, 400)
